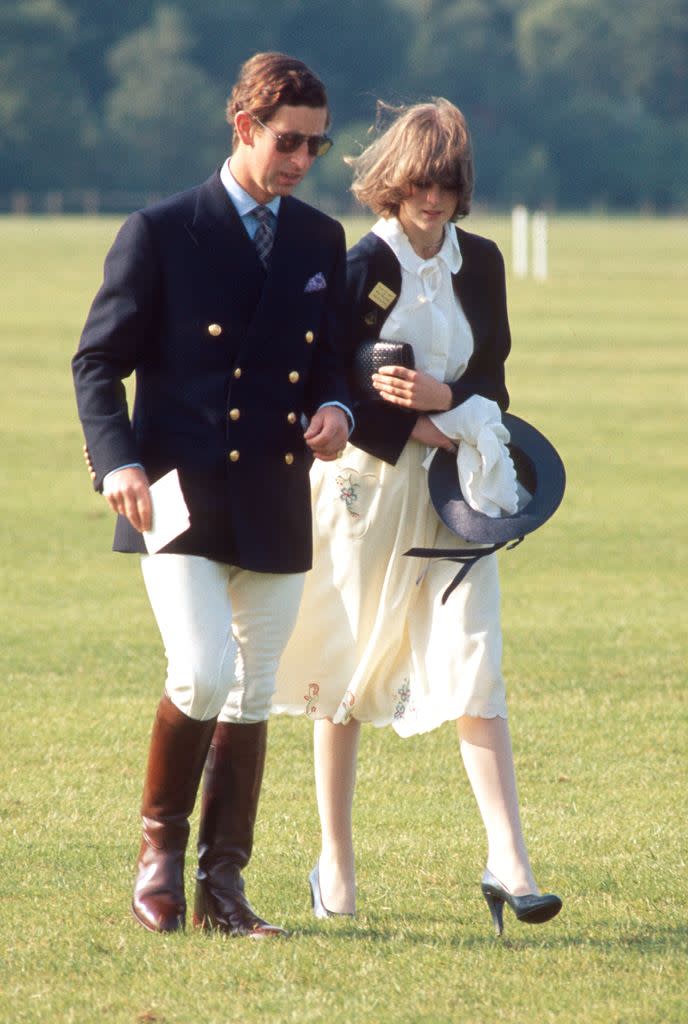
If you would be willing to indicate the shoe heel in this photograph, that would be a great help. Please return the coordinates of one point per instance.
(319, 909)
(533, 908)
(496, 907)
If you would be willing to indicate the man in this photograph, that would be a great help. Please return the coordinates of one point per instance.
(224, 301)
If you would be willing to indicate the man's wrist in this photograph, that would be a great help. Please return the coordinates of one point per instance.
(129, 465)
(345, 409)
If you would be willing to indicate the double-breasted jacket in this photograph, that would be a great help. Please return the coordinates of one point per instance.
(227, 360)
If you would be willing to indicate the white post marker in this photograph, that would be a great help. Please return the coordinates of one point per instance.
(540, 246)
(519, 240)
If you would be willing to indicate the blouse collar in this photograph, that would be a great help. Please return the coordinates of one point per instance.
(390, 231)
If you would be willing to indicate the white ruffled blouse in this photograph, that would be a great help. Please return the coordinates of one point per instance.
(428, 314)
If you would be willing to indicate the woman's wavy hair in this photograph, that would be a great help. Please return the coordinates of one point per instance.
(268, 80)
(427, 142)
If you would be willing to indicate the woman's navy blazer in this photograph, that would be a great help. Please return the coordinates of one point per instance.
(227, 359)
(480, 286)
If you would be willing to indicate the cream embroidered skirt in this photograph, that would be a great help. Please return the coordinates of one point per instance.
(372, 641)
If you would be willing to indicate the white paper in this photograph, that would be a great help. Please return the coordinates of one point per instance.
(170, 514)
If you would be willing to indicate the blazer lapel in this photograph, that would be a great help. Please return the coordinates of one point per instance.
(221, 238)
(470, 290)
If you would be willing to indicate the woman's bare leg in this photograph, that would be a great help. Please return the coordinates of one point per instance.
(487, 756)
(335, 749)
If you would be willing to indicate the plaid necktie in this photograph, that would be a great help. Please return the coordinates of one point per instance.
(264, 236)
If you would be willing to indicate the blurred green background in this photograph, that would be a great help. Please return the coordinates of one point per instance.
(572, 103)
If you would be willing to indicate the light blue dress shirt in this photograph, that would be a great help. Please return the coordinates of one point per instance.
(243, 202)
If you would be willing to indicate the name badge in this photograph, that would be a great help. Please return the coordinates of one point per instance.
(382, 296)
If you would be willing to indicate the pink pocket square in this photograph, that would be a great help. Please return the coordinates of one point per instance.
(316, 284)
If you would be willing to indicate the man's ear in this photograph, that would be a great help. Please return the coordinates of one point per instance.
(244, 126)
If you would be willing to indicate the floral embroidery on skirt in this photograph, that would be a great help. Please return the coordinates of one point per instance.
(345, 712)
(403, 707)
(348, 492)
(311, 699)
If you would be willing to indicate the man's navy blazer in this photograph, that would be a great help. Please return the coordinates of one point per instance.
(227, 358)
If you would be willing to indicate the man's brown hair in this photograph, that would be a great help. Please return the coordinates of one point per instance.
(267, 81)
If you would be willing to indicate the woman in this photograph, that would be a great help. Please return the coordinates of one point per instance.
(373, 644)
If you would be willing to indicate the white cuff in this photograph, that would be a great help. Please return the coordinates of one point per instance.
(350, 415)
(129, 465)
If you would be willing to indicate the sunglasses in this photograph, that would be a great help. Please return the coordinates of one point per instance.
(289, 142)
(448, 184)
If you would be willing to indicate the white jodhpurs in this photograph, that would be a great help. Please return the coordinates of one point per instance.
(224, 630)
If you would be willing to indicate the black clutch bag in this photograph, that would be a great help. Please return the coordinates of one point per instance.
(370, 356)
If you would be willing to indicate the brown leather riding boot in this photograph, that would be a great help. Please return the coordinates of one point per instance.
(233, 774)
(178, 749)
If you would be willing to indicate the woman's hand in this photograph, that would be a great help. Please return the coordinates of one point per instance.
(426, 432)
(412, 389)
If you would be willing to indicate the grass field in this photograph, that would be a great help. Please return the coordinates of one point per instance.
(596, 655)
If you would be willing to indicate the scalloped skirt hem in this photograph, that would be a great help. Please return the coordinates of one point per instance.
(403, 729)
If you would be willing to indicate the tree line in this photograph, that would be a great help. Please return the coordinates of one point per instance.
(571, 103)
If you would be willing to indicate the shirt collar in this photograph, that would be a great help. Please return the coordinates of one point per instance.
(390, 230)
(243, 202)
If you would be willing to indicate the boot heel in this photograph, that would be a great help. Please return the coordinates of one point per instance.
(200, 917)
(496, 907)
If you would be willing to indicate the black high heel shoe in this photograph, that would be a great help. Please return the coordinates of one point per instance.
(531, 909)
(319, 908)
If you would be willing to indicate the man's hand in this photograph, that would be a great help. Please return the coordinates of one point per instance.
(412, 389)
(129, 494)
(327, 432)
(426, 432)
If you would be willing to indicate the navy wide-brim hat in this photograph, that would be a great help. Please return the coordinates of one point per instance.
(539, 470)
